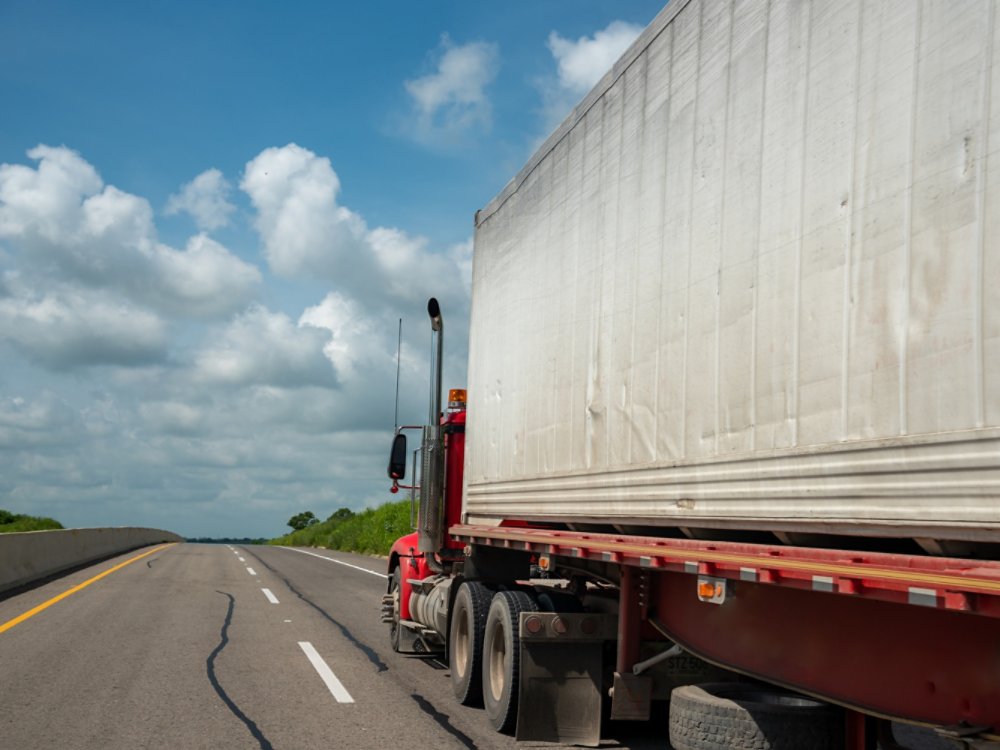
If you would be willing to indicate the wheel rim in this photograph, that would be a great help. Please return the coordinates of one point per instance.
(394, 626)
(462, 642)
(497, 657)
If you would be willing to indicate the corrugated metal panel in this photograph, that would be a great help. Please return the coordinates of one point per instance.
(759, 257)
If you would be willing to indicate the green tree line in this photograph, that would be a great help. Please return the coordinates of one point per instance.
(372, 531)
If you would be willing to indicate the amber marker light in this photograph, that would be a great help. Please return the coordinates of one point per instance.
(456, 399)
(707, 590)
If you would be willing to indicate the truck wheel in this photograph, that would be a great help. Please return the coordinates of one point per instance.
(394, 590)
(465, 642)
(502, 657)
(743, 716)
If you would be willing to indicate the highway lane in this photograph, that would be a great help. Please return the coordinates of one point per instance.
(184, 648)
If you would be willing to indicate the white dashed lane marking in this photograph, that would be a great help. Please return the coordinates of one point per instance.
(270, 597)
(251, 571)
(326, 674)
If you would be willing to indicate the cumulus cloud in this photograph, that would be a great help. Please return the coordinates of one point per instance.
(42, 201)
(306, 233)
(260, 347)
(303, 229)
(172, 417)
(62, 223)
(204, 279)
(580, 64)
(350, 332)
(451, 102)
(206, 400)
(67, 328)
(46, 421)
(583, 62)
(206, 199)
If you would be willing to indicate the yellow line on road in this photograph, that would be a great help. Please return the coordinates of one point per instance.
(45, 605)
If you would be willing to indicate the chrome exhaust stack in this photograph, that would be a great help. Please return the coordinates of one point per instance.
(430, 533)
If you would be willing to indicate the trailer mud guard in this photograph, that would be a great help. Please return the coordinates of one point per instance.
(560, 686)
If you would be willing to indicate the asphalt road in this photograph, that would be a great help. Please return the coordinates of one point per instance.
(207, 646)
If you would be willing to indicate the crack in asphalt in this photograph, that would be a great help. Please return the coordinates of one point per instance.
(210, 666)
(367, 650)
(443, 721)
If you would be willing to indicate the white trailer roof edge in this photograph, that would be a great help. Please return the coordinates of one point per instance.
(655, 28)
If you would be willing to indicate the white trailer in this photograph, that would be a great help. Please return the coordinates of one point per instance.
(753, 282)
(735, 345)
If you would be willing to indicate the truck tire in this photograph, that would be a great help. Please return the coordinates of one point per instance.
(395, 586)
(744, 716)
(502, 657)
(465, 642)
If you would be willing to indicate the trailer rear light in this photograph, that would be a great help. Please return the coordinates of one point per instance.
(533, 625)
(456, 399)
(567, 627)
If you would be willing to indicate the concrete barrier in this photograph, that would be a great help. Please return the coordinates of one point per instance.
(29, 555)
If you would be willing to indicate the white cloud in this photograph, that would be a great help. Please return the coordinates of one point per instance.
(63, 225)
(461, 256)
(68, 328)
(172, 417)
(42, 201)
(260, 347)
(582, 63)
(206, 199)
(275, 411)
(412, 271)
(303, 229)
(352, 334)
(46, 421)
(307, 234)
(452, 101)
(204, 279)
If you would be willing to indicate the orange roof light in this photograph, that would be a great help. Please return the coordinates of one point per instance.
(456, 399)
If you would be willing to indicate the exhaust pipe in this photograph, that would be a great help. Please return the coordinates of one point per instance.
(430, 533)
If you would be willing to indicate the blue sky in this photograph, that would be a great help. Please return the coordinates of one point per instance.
(211, 217)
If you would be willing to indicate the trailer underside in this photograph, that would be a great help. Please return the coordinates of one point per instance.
(907, 637)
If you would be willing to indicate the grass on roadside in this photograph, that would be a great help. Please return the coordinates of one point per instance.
(11, 522)
(371, 532)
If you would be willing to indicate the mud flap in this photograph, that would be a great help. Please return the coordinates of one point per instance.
(631, 697)
(560, 678)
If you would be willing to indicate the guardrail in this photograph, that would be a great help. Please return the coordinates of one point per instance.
(29, 555)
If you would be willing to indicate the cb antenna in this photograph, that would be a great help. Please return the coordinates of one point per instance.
(399, 347)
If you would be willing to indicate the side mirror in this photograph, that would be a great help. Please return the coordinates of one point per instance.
(397, 457)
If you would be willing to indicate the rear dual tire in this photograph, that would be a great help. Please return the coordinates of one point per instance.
(502, 657)
(465, 642)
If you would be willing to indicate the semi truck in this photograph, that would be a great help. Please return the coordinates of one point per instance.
(730, 445)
